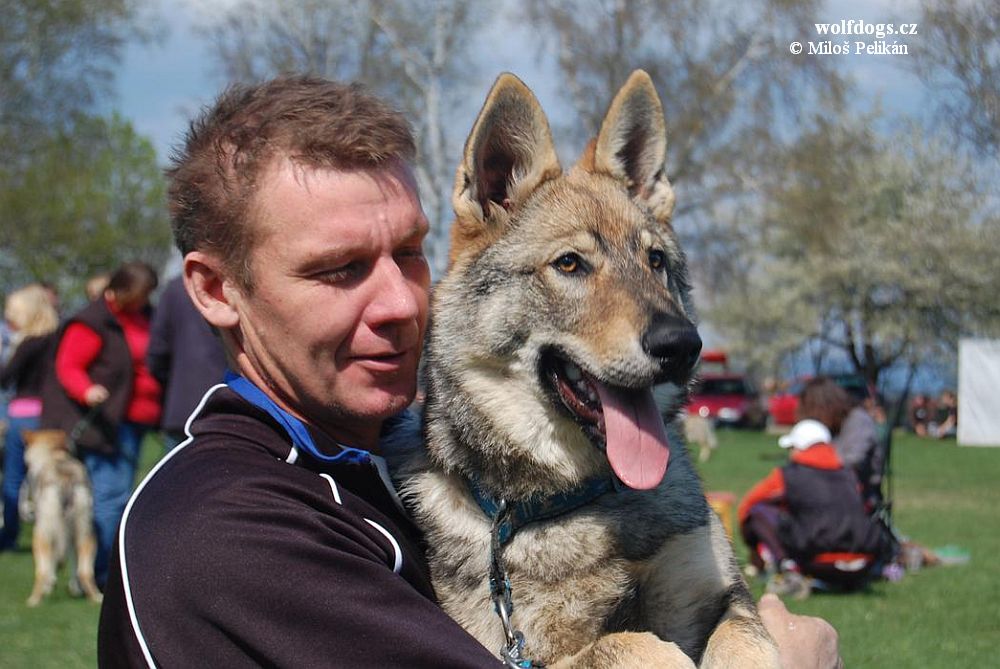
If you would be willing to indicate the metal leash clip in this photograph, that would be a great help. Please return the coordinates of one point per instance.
(503, 604)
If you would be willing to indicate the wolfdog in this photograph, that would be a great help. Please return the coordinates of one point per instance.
(64, 514)
(556, 530)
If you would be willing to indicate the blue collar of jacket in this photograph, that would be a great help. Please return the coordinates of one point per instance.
(517, 515)
(297, 431)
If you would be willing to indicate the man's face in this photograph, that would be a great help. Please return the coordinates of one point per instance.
(333, 327)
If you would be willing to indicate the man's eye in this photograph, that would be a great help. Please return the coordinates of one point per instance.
(347, 272)
(412, 254)
(569, 263)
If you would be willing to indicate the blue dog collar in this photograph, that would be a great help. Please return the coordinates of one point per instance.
(532, 510)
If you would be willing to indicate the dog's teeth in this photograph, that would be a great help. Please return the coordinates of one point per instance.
(573, 372)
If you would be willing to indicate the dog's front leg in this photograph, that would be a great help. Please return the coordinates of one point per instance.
(740, 640)
(627, 650)
(691, 593)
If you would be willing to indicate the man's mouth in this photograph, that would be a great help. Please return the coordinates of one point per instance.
(624, 422)
(387, 360)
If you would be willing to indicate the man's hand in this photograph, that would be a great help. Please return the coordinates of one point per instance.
(804, 642)
(96, 394)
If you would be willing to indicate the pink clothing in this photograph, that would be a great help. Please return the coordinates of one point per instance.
(25, 407)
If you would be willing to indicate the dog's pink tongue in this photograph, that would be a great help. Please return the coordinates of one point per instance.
(636, 438)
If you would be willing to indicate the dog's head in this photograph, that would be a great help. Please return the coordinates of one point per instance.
(567, 296)
(42, 446)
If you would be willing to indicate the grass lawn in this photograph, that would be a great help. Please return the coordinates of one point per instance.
(938, 617)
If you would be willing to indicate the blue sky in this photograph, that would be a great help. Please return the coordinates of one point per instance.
(160, 86)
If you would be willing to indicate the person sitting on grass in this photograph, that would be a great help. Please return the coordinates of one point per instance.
(812, 506)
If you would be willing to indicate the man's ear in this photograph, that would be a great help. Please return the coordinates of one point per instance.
(212, 293)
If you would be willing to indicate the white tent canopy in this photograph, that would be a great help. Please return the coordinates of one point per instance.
(979, 392)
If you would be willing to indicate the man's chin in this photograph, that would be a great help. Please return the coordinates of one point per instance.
(378, 403)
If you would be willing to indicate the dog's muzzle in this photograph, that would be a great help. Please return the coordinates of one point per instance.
(675, 343)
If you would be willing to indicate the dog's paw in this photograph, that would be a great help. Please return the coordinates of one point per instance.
(627, 650)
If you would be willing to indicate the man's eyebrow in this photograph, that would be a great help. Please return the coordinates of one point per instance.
(330, 256)
(420, 229)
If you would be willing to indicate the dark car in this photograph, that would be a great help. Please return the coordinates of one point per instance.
(727, 399)
(783, 407)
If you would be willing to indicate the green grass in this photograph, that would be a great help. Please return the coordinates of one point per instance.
(937, 617)
(62, 631)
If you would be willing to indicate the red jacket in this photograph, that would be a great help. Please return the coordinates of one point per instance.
(81, 345)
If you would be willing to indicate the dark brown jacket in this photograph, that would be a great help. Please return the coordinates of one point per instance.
(240, 551)
(112, 369)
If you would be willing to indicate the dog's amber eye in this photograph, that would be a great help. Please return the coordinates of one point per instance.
(569, 263)
(657, 259)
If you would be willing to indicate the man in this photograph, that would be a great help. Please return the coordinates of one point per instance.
(184, 355)
(274, 537)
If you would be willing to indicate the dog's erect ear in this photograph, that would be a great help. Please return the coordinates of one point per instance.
(508, 154)
(632, 145)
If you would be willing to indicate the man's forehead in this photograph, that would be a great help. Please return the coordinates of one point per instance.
(305, 171)
(289, 189)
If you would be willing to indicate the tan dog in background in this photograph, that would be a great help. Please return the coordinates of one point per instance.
(64, 510)
(700, 431)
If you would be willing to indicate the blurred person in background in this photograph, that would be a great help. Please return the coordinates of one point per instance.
(921, 412)
(32, 320)
(860, 446)
(96, 285)
(946, 416)
(6, 350)
(103, 395)
(185, 356)
(812, 505)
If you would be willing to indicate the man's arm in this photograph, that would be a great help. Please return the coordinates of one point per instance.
(78, 349)
(249, 579)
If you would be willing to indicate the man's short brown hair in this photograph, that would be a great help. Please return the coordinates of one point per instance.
(228, 148)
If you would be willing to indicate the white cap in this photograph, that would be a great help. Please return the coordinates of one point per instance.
(805, 434)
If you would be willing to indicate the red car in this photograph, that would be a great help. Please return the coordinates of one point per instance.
(727, 399)
(782, 407)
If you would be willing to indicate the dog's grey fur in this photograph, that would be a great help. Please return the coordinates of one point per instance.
(592, 587)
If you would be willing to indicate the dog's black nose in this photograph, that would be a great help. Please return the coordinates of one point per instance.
(674, 341)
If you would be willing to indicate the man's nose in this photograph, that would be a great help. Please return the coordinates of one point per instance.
(396, 297)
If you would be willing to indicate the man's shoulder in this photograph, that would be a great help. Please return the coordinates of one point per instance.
(230, 445)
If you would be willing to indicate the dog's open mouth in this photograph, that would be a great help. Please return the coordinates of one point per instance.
(626, 422)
